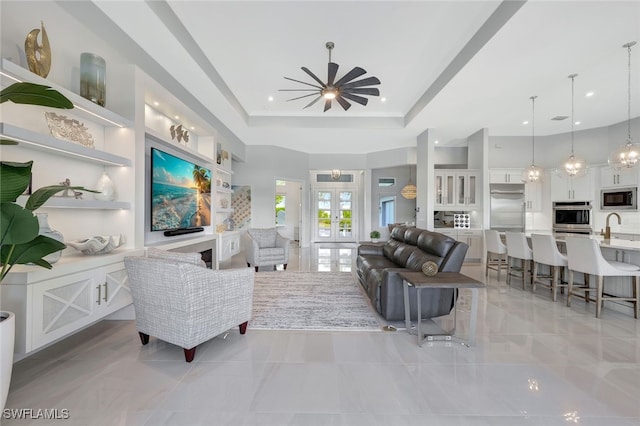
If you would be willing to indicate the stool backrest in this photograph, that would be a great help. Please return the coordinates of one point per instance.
(545, 250)
(517, 245)
(493, 243)
(584, 255)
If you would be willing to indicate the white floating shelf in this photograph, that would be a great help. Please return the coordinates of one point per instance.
(224, 190)
(72, 203)
(223, 170)
(149, 133)
(48, 143)
(224, 210)
(13, 73)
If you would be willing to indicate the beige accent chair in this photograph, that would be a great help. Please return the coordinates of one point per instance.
(266, 247)
(584, 255)
(178, 300)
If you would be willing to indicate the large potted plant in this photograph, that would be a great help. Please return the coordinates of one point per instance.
(19, 239)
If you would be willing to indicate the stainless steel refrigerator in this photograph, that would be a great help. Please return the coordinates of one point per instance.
(507, 207)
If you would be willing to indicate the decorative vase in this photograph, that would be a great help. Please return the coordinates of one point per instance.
(7, 339)
(106, 187)
(45, 229)
(93, 78)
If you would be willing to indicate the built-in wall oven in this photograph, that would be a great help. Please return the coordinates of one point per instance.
(572, 217)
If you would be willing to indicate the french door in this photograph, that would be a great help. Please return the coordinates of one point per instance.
(334, 215)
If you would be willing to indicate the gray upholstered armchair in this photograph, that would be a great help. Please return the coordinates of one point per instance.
(266, 247)
(179, 301)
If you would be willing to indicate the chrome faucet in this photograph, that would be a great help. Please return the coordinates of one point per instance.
(607, 229)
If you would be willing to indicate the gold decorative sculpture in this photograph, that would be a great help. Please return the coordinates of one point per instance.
(38, 56)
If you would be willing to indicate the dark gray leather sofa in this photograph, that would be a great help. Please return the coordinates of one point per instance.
(408, 249)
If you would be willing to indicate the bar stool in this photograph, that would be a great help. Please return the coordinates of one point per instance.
(584, 255)
(545, 252)
(496, 247)
(518, 248)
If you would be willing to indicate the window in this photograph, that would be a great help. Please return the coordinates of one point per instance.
(387, 209)
(281, 201)
(326, 177)
(386, 181)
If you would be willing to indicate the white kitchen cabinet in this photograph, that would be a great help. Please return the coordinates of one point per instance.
(474, 239)
(533, 196)
(572, 189)
(613, 178)
(457, 189)
(505, 176)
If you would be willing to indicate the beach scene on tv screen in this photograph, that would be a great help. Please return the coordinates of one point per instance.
(180, 193)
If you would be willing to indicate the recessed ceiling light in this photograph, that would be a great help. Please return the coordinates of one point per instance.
(383, 99)
(156, 103)
(176, 117)
(436, 141)
(193, 128)
(577, 123)
(270, 98)
(589, 94)
(525, 122)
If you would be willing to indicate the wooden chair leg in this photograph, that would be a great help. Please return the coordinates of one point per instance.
(554, 282)
(636, 296)
(508, 270)
(189, 354)
(536, 266)
(569, 287)
(243, 327)
(600, 285)
(486, 267)
(586, 292)
(144, 338)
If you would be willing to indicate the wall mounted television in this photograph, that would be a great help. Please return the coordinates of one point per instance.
(180, 193)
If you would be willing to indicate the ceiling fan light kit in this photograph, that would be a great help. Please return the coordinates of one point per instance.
(345, 89)
(627, 155)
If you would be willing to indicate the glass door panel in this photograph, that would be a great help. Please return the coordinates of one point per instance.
(334, 215)
(324, 209)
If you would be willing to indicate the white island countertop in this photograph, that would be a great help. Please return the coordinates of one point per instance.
(613, 243)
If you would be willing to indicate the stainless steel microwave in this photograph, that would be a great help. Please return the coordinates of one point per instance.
(619, 198)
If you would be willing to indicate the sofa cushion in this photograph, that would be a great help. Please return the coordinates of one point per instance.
(435, 243)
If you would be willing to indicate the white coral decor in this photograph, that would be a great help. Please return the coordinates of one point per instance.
(100, 244)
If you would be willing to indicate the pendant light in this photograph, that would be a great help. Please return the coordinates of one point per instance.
(409, 191)
(573, 166)
(336, 174)
(626, 156)
(532, 173)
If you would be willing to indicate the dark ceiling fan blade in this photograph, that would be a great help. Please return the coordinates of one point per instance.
(312, 75)
(298, 90)
(373, 91)
(308, 84)
(343, 102)
(354, 73)
(327, 104)
(300, 97)
(313, 101)
(333, 70)
(355, 98)
(369, 81)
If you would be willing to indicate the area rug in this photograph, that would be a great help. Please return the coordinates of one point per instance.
(323, 301)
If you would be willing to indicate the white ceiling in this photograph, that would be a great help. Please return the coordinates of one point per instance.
(438, 71)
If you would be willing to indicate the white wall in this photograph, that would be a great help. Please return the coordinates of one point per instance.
(292, 190)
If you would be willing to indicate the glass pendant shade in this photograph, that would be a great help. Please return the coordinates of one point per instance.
(573, 167)
(532, 173)
(627, 155)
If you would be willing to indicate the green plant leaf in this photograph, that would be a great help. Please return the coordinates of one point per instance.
(41, 195)
(35, 94)
(14, 179)
(8, 142)
(31, 252)
(17, 225)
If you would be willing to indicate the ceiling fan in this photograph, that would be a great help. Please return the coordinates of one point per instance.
(340, 90)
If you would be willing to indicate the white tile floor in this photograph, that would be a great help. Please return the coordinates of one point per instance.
(536, 363)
